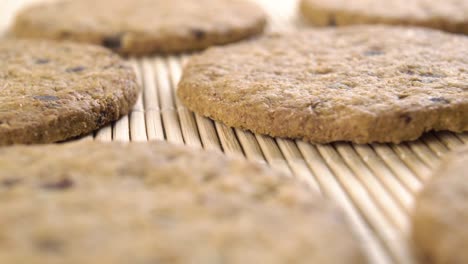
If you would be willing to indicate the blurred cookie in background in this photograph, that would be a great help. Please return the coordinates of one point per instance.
(153, 202)
(140, 27)
(440, 234)
(448, 15)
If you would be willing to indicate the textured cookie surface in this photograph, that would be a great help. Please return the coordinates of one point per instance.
(440, 233)
(143, 26)
(449, 15)
(157, 203)
(361, 84)
(51, 92)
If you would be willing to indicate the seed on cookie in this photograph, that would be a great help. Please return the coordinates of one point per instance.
(10, 182)
(380, 84)
(61, 184)
(42, 61)
(46, 98)
(76, 69)
(113, 42)
(439, 100)
(198, 33)
(373, 52)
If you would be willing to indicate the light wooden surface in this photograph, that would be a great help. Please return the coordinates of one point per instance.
(374, 184)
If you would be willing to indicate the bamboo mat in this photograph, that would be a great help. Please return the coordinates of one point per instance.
(374, 184)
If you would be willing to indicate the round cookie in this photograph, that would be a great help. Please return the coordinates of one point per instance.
(361, 83)
(440, 233)
(55, 91)
(139, 27)
(448, 15)
(103, 203)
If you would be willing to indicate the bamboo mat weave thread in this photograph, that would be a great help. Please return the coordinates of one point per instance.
(374, 184)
